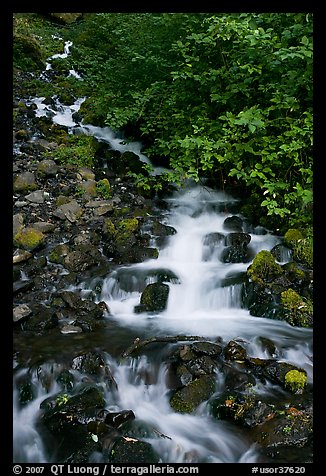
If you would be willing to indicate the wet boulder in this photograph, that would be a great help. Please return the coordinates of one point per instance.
(154, 298)
(211, 243)
(132, 450)
(237, 239)
(296, 310)
(234, 351)
(290, 377)
(136, 254)
(189, 397)
(66, 417)
(66, 380)
(162, 232)
(42, 318)
(238, 380)
(235, 254)
(85, 256)
(91, 363)
(242, 408)
(289, 427)
(233, 223)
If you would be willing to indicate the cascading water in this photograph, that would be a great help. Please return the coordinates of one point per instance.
(204, 300)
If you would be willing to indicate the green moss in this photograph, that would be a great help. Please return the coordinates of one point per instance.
(125, 231)
(294, 271)
(187, 399)
(292, 236)
(109, 228)
(264, 268)
(58, 253)
(129, 225)
(28, 239)
(298, 311)
(103, 188)
(295, 381)
(301, 244)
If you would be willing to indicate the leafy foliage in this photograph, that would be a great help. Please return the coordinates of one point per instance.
(229, 92)
(220, 96)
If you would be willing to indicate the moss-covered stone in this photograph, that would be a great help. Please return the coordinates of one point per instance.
(154, 297)
(29, 239)
(47, 168)
(88, 187)
(187, 399)
(126, 228)
(27, 52)
(24, 182)
(103, 188)
(292, 236)
(297, 311)
(58, 253)
(109, 228)
(295, 381)
(301, 244)
(264, 268)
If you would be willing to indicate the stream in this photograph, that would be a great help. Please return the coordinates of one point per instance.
(205, 299)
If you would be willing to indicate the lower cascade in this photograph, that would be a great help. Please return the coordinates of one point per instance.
(144, 367)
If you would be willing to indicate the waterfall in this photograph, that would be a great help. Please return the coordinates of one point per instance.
(204, 300)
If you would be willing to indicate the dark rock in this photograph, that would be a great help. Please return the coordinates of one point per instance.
(235, 254)
(233, 223)
(237, 239)
(42, 319)
(234, 351)
(187, 399)
(131, 450)
(116, 419)
(154, 298)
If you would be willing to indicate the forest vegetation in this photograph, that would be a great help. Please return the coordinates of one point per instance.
(221, 97)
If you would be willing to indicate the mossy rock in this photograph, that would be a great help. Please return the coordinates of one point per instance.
(25, 182)
(88, 188)
(264, 268)
(59, 253)
(109, 229)
(301, 244)
(27, 53)
(29, 239)
(295, 381)
(154, 297)
(187, 399)
(297, 311)
(292, 236)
